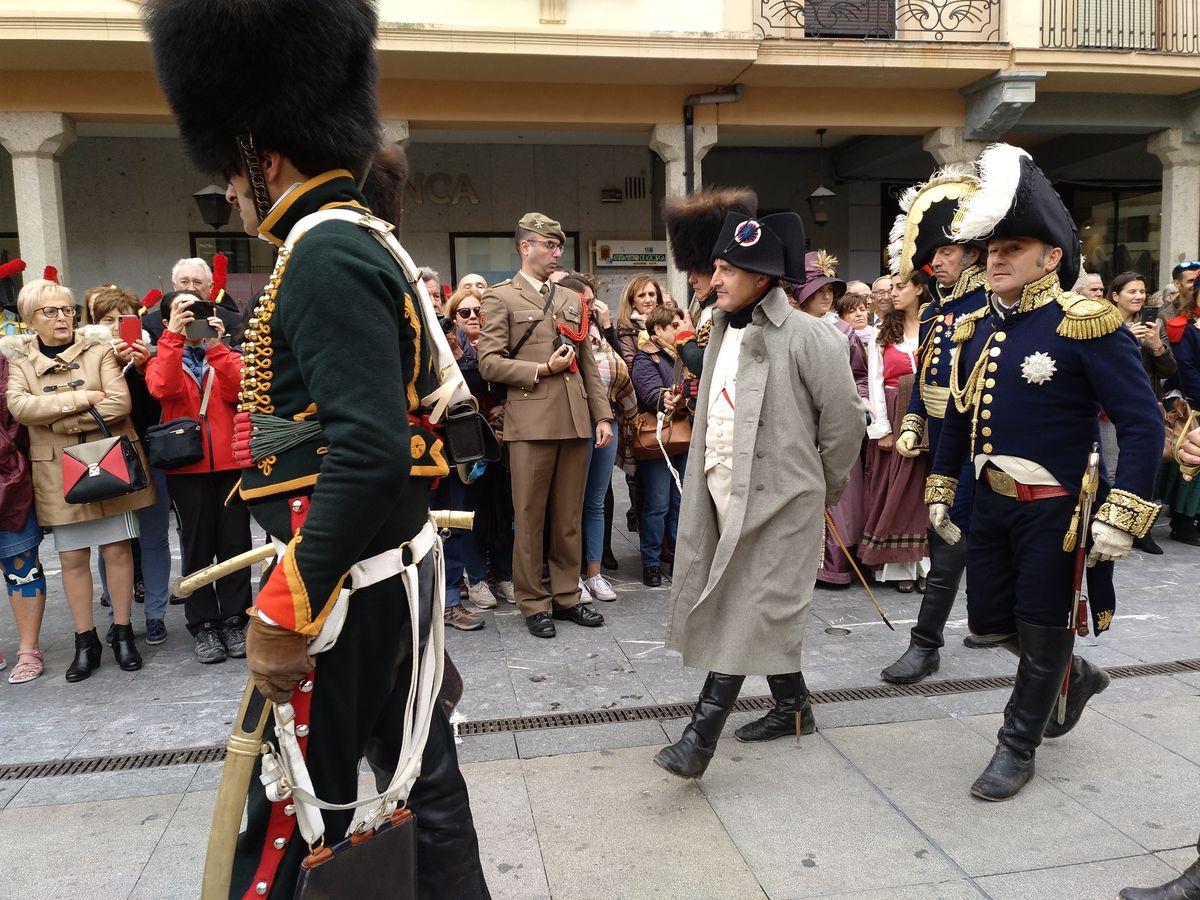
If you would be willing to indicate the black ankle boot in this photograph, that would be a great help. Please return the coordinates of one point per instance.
(689, 756)
(922, 659)
(1185, 887)
(1086, 681)
(1045, 658)
(87, 656)
(124, 649)
(792, 702)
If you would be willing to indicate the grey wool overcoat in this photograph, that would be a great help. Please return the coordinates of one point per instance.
(740, 597)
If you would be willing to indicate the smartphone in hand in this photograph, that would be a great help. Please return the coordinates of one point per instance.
(1147, 315)
(199, 328)
(129, 329)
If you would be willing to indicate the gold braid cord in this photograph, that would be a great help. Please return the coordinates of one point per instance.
(914, 423)
(940, 489)
(702, 334)
(1128, 512)
(255, 396)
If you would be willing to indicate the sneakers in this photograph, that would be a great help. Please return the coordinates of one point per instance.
(599, 588)
(481, 595)
(233, 635)
(585, 596)
(507, 590)
(156, 631)
(209, 648)
(458, 616)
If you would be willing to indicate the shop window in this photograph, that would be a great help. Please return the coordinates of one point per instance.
(246, 255)
(1119, 230)
(494, 255)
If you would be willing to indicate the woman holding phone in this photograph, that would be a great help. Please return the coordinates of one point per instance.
(117, 310)
(1128, 294)
(185, 368)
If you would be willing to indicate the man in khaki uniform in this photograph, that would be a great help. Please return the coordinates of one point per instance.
(554, 396)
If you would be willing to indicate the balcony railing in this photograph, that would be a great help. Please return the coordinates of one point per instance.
(905, 20)
(1166, 26)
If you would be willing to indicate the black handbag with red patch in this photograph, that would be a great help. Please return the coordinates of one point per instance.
(104, 469)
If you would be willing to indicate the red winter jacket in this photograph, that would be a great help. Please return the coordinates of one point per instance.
(177, 391)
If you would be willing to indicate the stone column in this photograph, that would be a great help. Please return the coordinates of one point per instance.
(666, 140)
(1180, 199)
(35, 140)
(949, 146)
(395, 131)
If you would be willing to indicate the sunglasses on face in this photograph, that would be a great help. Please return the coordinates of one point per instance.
(468, 312)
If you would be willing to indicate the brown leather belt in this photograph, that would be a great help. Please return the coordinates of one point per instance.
(1007, 486)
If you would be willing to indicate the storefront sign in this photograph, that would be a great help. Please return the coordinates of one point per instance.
(631, 254)
(442, 189)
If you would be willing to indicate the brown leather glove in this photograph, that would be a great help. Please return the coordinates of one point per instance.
(277, 659)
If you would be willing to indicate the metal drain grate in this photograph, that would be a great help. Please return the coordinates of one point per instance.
(124, 763)
(193, 755)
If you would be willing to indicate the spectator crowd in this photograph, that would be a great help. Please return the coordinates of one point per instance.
(111, 365)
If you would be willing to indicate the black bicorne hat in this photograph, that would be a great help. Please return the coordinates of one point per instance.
(1016, 199)
(772, 245)
(927, 213)
(694, 222)
(293, 76)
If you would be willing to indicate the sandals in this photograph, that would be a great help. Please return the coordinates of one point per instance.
(29, 666)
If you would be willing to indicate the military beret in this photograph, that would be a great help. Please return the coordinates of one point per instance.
(543, 225)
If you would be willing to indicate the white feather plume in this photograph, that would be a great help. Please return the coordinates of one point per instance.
(896, 242)
(1000, 176)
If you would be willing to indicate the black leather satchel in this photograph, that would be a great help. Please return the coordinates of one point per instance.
(469, 437)
(178, 442)
(386, 856)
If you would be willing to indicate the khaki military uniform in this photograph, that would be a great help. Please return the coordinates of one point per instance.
(548, 427)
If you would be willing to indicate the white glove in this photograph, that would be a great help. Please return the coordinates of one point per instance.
(939, 518)
(1108, 544)
(906, 444)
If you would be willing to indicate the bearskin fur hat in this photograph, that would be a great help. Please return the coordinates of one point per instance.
(298, 76)
(694, 222)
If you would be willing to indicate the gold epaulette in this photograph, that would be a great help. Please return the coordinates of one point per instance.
(964, 330)
(702, 334)
(1085, 319)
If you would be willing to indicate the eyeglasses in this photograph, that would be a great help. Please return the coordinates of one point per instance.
(191, 282)
(53, 312)
(467, 312)
(552, 246)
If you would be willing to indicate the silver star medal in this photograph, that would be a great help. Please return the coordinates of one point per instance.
(1038, 368)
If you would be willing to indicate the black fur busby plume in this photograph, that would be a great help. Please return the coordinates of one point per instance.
(694, 222)
(298, 76)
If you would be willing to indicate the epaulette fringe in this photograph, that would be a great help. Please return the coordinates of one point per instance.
(1085, 319)
(965, 329)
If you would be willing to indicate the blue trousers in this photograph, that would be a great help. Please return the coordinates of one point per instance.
(461, 549)
(154, 540)
(599, 476)
(660, 505)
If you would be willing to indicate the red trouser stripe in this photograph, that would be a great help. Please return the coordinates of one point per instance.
(280, 824)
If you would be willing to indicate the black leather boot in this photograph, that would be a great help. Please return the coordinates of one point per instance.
(124, 649)
(1045, 657)
(793, 706)
(689, 756)
(1086, 681)
(87, 656)
(921, 659)
(1185, 887)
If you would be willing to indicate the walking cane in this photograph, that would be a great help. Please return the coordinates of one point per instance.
(1076, 539)
(245, 743)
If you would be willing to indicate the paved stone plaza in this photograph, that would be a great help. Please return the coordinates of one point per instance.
(873, 805)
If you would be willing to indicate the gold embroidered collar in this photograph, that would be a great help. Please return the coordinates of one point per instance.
(1034, 295)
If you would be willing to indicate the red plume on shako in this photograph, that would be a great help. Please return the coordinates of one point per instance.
(220, 276)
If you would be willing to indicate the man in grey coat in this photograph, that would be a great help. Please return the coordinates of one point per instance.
(778, 425)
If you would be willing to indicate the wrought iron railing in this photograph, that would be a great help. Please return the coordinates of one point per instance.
(1167, 26)
(906, 20)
